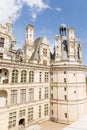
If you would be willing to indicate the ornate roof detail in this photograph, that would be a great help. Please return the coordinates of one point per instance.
(63, 26)
(44, 40)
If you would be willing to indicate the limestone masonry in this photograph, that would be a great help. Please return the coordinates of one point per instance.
(37, 85)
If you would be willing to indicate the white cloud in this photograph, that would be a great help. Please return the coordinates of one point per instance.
(9, 8)
(59, 9)
(36, 7)
(13, 7)
(36, 4)
(34, 16)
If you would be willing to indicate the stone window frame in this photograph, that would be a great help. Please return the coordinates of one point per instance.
(64, 80)
(14, 97)
(30, 114)
(44, 62)
(46, 77)
(64, 88)
(65, 97)
(2, 40)
(65, 115)
(31, 94)
(45, 109)
(22, 113)
(40, 111)
(22, 96)
(31, 76)
(15, 76)
(46, 92)
(40, 77)
(23, 76)
(45, 52)
(40, 93)
(12, 120)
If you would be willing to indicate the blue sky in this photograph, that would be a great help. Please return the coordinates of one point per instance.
(46, 16)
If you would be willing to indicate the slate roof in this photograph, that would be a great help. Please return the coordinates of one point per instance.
(37, 43)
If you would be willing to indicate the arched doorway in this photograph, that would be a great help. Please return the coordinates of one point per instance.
(3, 98)
(22, 122)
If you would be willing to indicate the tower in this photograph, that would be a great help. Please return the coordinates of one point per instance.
(29, 45)
(61, 48)
(29, 34)
(44, 52)
(68, 84)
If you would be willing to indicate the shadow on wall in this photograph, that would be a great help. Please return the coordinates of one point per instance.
(3, 98)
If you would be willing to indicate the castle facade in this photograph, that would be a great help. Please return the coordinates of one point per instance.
(37, 85)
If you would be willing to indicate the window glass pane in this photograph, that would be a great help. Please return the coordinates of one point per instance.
(31, 94)
(12, 120)
(46, 93)
(13, 97)
(46, 76)
(14, 76)
(30, 114)
(31, 76)
(45, 109)
(22, 95)
(23, 76)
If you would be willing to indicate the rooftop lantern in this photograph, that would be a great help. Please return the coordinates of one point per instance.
(63, 30)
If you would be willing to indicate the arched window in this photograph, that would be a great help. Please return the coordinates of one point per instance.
(14, 76)
(31, 76)
(23, 76)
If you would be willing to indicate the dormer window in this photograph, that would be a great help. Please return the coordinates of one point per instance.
(44, 62)
(44, 52)
(2, 42)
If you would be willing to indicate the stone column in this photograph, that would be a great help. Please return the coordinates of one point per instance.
(10, 75)
(27, 95)
(8, 98)
(18, 97)
(27, 80)
(19, 76)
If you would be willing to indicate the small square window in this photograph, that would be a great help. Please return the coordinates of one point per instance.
(51, 80)
(65, 115)
(44, 62)
(65, 97)
(64, 88)
(51, 88)
(52, 103)
(51, 96)
(64, 72)
(74, 91)
(51, 112)
(64, 80)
